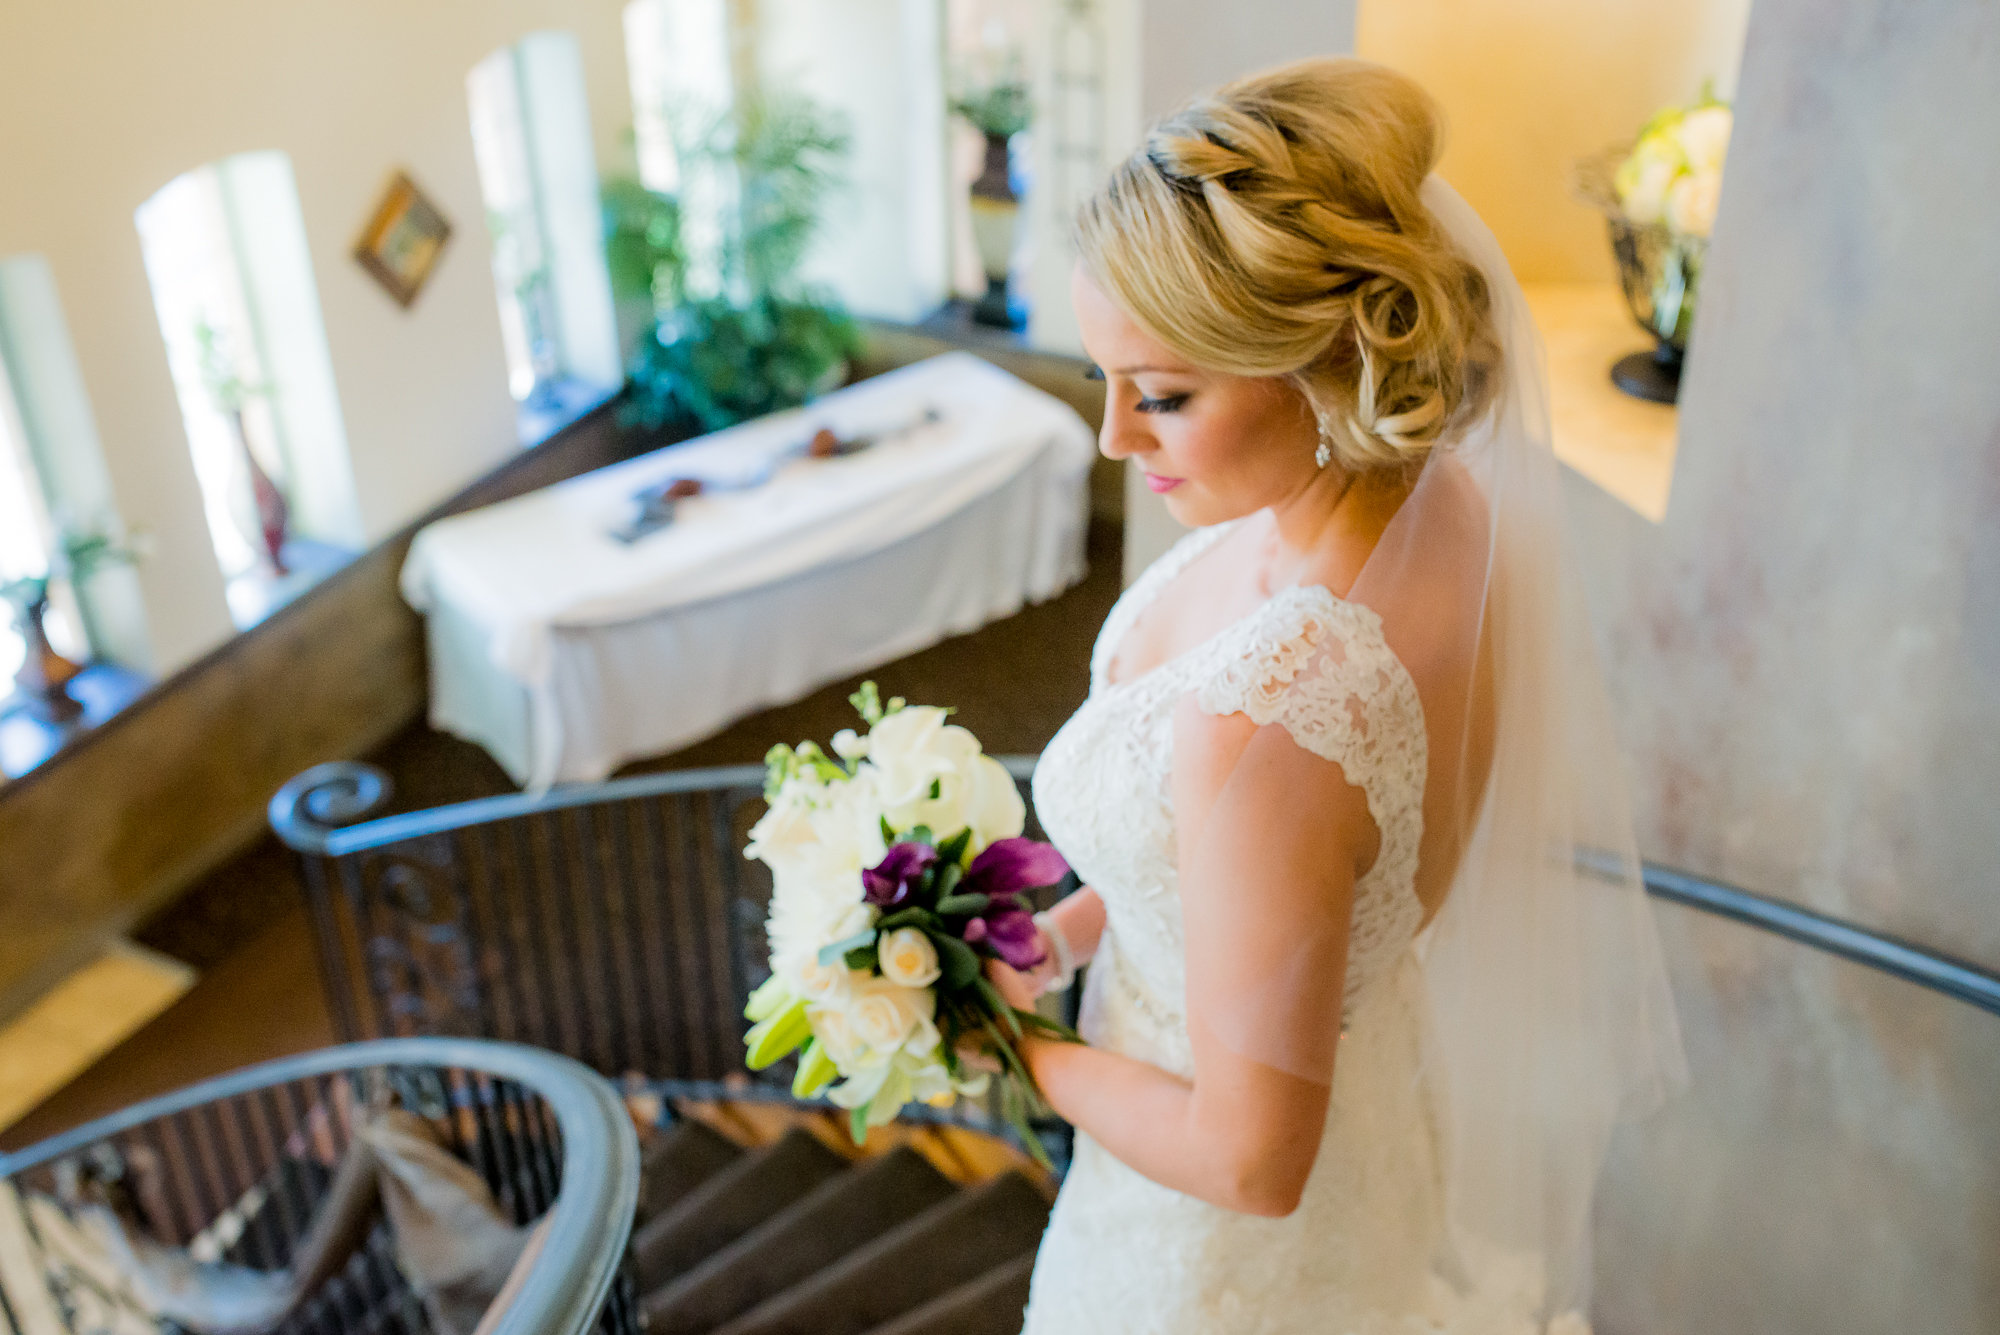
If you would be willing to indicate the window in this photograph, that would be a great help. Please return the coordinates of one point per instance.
(531, 137)
(52, 476)
(226, 256)
(678, 57)
(25, 531)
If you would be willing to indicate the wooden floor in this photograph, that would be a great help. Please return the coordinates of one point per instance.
(244, 927)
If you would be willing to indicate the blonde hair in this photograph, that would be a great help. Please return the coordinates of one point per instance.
(1273, 228)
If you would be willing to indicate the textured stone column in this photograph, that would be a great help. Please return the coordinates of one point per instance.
(1806, 657)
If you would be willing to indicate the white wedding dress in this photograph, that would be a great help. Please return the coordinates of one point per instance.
(1123, 1253)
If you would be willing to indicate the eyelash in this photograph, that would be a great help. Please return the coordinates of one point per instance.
(1172, 403)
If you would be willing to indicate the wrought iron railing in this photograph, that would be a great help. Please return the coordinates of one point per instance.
(237, 1168)
(617, 922)
(620, 924)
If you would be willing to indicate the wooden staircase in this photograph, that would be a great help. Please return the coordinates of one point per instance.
(761, 1219)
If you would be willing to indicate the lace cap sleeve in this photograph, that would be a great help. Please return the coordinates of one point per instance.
(1320, 668)
(1275, 963)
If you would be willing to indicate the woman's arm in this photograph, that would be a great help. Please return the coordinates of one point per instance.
(1270, 840)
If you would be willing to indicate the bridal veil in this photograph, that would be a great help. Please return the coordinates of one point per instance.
(1548, 1016)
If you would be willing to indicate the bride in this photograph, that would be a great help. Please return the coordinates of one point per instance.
(1371, 973)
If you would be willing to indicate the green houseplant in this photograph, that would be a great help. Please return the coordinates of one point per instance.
(759, 339)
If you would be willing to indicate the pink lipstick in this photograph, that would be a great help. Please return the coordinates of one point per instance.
(1158, 483)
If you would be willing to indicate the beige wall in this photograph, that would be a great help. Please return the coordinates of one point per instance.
(102, 103)
(1531, 85)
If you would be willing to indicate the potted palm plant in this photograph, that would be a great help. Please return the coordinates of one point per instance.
(755, 338)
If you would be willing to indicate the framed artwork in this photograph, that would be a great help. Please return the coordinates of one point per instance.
(401, 243)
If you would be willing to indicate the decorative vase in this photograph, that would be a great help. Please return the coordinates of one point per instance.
(1659, 273)
(996, 225)
(274, 515)
(44, 673)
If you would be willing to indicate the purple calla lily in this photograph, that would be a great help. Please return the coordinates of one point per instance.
(1009, 865)
(888, 883)
(1013, 936)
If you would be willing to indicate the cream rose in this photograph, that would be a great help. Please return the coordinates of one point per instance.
(836, 1035)
(1703, 137)
(880, 1022)
(825, 984)
(1643, 184)
(907, 957)
(1691, 205)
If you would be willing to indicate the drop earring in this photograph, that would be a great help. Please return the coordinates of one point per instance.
(1324, 454)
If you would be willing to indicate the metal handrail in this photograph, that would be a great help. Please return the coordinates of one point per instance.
(334, 788)
(1895, 956)
(591, 1219)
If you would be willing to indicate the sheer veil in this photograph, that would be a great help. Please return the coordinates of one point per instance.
(1549, 1014)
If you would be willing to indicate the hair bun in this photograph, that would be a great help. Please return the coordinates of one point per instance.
(1275, 227)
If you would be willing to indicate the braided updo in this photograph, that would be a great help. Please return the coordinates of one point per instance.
(1273, 228)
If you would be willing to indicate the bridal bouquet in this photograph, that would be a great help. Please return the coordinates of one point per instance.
(897, 867)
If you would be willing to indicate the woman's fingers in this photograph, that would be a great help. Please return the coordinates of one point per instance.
(1018, 988)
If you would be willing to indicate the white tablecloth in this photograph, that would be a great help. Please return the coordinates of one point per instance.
(566, 653)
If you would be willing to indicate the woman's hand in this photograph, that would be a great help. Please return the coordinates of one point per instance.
(1021, 987)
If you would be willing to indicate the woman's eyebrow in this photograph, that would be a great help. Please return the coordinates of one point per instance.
(1097, 372)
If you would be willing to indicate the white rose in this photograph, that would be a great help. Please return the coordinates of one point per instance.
(907, 957)
(992, 802)
(1643, 183)
(825, 984)
(887, 1017)
(847, 825)
(910, 750)
(1691, 205)
(1703, 136)
(836, 1036)
(802, 924)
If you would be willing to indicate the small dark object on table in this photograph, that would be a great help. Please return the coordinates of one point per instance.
(654, 506)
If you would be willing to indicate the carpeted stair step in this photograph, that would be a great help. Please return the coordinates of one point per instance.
(948, 1245)
(845, 1213)
(989, 1305)
(684, 1156)
(730, 1203)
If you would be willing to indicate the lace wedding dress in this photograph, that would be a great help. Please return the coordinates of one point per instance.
(1122, 1252)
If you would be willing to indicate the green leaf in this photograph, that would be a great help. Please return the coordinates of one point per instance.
(771, 1039)
(995, 1003)
(863, 957)
(966, 904)
(946, 878)
(937, 789)
(816, 1071)
(953, 849)
(888, 835)
(921, 835)
(911, 917)
(857, 1122)
(829, 953)
(959, 961)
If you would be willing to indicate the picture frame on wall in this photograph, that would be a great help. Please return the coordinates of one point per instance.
(403, 240)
